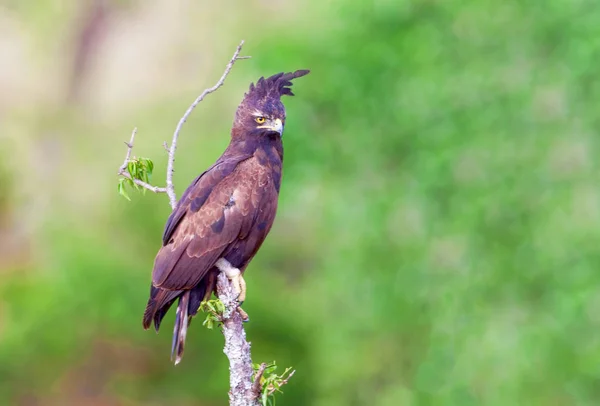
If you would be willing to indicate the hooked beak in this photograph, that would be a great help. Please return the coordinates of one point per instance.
(275, 126)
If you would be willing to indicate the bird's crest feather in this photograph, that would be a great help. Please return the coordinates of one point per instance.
(274, 86)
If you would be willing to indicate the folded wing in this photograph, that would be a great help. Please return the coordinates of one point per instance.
(215, 212)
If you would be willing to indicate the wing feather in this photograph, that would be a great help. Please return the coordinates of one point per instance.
(195, 239)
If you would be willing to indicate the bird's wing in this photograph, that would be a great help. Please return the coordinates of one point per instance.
(217, 209)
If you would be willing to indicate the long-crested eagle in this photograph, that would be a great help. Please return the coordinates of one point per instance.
(225, 214)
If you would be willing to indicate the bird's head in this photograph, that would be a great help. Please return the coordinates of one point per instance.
(262, 113)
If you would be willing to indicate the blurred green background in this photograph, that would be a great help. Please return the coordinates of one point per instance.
(438, 234)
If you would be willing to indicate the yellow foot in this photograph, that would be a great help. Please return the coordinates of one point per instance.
(238, 282)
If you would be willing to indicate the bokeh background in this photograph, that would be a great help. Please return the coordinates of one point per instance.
(438, 235)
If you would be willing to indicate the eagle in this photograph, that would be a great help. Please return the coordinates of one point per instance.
(225, 214)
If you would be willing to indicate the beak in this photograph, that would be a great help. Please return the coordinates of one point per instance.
(275, 126)
(278, 126)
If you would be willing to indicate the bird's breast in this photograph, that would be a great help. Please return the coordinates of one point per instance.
(269, 165)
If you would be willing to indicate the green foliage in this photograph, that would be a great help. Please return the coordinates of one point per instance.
(214, 309)
(270, 382)
(140, 169)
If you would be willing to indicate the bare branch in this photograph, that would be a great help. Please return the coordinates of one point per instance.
(123, 168)
(171, 163)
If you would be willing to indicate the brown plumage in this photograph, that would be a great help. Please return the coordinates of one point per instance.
(226, 212)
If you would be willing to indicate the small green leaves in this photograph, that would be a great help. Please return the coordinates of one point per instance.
(214, 309)
(138, 169)
(270, 382)
(121, 188)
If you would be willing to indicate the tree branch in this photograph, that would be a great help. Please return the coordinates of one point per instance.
(123, 168)
(237, 349)
(128, 153)
(170, 188)
(256, 386)
(282, 382)
(171, 163)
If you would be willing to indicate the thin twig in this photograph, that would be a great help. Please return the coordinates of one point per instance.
(171, 162)
(123, 168)
(256, 386)
(170, 188)
(147, 186)
(272, 390)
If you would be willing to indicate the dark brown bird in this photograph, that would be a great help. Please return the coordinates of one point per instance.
(225, 214)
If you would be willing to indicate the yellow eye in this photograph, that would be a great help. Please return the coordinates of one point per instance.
(260, 120)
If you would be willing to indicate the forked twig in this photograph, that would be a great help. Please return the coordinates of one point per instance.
(170, 188)
(123, 168)
(173, 147)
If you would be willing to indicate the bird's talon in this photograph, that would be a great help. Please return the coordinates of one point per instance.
(238, 284)
(243, 314)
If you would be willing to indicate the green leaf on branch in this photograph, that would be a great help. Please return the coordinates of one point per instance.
(214, 310)
(121, 188)
(132, 168)
(138, 169)
(270, 382)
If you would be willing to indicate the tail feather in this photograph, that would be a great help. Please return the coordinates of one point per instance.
(160, 314)
(158, 304)
(161, 301)
(182, 321)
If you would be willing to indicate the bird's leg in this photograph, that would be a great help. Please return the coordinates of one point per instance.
(235, 276)
(238, 282)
